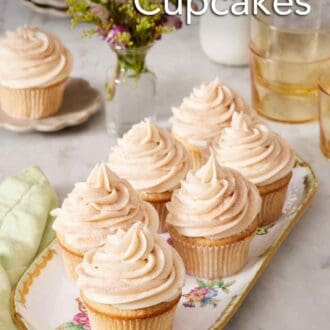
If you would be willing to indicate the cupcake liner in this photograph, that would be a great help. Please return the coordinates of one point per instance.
(162, 212)
(32, 103)
(273, 198)
(71, 259)
(194, 152)
(159, 200)
(152, 318)
(196, 158)
(213, 261)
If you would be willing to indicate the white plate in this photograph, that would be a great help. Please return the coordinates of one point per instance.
(56, 4)
(46, 9)
(45, 299)
(80, 102)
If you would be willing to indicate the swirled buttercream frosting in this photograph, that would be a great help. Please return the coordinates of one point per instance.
(99, 207)
(150, 159)
(31, 58)
(203, 115)
(213, 202)
(134, 269)
(251, 148)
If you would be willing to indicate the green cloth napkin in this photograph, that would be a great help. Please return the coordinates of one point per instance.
(25, 229)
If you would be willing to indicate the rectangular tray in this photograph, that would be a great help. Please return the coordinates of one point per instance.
(45, 299)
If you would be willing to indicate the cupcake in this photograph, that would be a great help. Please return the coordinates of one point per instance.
(260, 155)
(153, 162)
(95, 209)
(212, 220)
(34, 70)
(133, 282)
(203, 115)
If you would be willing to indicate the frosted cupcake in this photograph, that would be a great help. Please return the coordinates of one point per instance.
(212, 220)
(260, 155)
(203, 115)
(95, 209)
(133, 282)
(34, 70)
(153, 162)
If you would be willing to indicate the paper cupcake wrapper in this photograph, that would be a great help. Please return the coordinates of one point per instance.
(272, 205)
(195, 154)
(107, 317)
(32, 103)
(213, 262)
(160, 322)
(158, 201)
(162, 212)
(196, 158)
(70, 261)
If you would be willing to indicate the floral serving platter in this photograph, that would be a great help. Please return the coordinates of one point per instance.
(45, 299)
(80, 102)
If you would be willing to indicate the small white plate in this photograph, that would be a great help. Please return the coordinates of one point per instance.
(45, 299)
(80, 102)
(56, 4)
(47, 9)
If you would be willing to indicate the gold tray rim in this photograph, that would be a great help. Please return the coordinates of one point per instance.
(234, 305)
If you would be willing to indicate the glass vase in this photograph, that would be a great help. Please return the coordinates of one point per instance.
(130, 90)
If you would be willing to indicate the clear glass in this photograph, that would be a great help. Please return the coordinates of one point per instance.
(288, 54)
(324, 114)
(130, 91)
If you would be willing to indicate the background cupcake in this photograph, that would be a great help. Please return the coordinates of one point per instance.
(34, 70)
(133, 282)
(212, 220)
(153, 162)
(261, 156)
(202, 116)
(95, 209)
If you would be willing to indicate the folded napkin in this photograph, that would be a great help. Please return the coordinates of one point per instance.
(25, 229)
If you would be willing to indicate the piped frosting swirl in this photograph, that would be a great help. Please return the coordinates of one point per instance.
(251, 148)
(150, 159)
(99, 207)
(134, 269)
(203, 115)
(32, 58)
(213, 202)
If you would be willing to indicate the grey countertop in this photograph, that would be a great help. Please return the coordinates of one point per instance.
(294, 291)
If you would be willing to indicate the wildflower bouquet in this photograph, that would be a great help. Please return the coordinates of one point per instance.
(122, 26)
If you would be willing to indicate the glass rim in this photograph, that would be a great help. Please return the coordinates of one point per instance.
(255, 53)
(324, 80)
(279, 29)
(139, 49)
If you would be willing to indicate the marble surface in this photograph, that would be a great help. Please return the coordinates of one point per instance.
(294, 291)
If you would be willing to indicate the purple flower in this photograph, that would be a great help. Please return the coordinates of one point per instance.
(101, 12)
(173, 21)
(112, 35)
(82, 319)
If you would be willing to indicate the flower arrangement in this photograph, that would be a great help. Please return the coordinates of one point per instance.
(122, 26)
(206, 293)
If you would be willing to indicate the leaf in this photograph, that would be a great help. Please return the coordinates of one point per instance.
(220, 284)
(201, 283)
(210, 284)
(70, 326)
(224, 289)
(230, 284)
